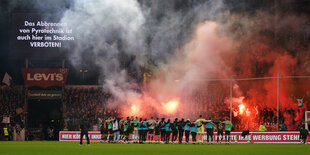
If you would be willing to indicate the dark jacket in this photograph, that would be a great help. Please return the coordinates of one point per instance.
(84, 126)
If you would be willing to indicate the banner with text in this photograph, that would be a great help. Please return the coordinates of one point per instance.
(253, 137)
(45, 77)
(39, 33)
(44, 94)
(75, 136)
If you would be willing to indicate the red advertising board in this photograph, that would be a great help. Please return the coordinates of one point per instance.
(265, 137)
(75, 136)
(45, 77)
(254, 137)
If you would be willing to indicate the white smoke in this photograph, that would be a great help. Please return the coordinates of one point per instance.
(107, 29)
(103, 29)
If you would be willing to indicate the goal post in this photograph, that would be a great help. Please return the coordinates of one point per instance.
(307, 119)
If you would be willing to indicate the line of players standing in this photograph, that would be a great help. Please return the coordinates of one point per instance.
(136, 130)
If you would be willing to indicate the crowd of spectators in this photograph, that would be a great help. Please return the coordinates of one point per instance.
(211, 102)
(11, 100)
(289, 118)
(12, 108)
(85, 101)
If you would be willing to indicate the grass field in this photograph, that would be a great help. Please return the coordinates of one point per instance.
(58, 148)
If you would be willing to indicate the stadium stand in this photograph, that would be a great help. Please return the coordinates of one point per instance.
(12, 101)
(84, 100)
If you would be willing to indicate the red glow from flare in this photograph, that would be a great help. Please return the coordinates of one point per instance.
(133, 108)
(171, 106)
(241, 108)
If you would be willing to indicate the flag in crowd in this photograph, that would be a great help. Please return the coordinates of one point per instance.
(7, 79)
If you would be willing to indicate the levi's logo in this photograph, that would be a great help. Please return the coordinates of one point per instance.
(45, 77)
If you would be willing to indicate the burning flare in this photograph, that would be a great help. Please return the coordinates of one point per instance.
(171, 106)
(241, 108)
(133, 108)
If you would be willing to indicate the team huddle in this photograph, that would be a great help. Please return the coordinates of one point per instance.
(116, 130)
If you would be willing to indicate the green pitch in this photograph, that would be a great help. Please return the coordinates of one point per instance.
(66, 148)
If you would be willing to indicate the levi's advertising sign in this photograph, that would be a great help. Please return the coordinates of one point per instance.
(45, 77)
(253, 137)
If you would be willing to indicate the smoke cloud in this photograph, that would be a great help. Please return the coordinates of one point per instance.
(184, 46)
(106, 31)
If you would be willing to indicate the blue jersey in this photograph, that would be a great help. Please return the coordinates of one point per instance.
(209, 125)
(188, 126)
(163, 126)
(194, 128)
(145, 126)
(168, 126)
